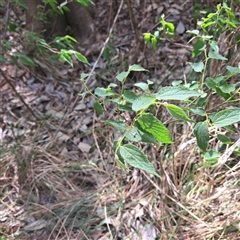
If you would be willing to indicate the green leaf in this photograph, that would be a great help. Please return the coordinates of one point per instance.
(176, 83)
(218, 79)
(197, 110)
(215, 55)
(137, 68)
(119, 125)
(233, 70)
(112, 85)
(12, 27)
(210, 83)
(197, 67)
(224, 139)
(23, 4)
(152, 125)
(84, 2)
(198, 47)
(130, 96)
(103, 92)
(211, 158)
(118, 157)
(226, 96)
(227, 88)
(142, 102)
(177, 112)
(135, 158)
(81, 58)
(136, 135)
(202, 135)
(122, 76)
(25, 60)
(98, 108)
(84, 75)
(66, 57)
(195, 32)
(120, 160)
(176, 93)
(142, 85)
(214, 46)
(124, 108)
(147, 37)
(3, 59)
(170, 28)
(226, 117)
(154, 43)
(14, 59)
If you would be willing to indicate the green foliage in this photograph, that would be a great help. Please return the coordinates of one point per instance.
(60, 46)
(166, 28)
(145, 127)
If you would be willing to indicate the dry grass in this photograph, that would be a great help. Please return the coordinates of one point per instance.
(45, 195)
(52, 190)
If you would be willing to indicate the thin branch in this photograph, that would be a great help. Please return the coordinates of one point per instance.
(18, 95)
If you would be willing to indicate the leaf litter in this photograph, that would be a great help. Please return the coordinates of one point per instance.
(58, 176)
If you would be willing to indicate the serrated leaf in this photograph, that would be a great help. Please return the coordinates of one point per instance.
(142, 102)
(137, 68)
(103, 92)
(202, 135)
(135, 158)
(224, 139)
(136, 135)
(197, 67)
(98, 108)
(152, 125)
(176, 93)
(226, 117)
(122, 76)
(130, 96)
(177, 112)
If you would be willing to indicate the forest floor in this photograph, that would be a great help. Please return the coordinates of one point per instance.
(58, 176)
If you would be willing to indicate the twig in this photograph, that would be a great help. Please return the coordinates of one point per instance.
(95, 64)
(175, 201)
(18, 95)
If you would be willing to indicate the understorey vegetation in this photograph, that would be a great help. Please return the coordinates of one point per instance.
(94, 147)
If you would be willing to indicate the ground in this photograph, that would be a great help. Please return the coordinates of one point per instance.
(59, 179)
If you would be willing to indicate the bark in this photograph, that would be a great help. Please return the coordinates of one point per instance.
(78, 20)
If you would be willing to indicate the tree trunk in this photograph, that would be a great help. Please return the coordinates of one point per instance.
(39, 20)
